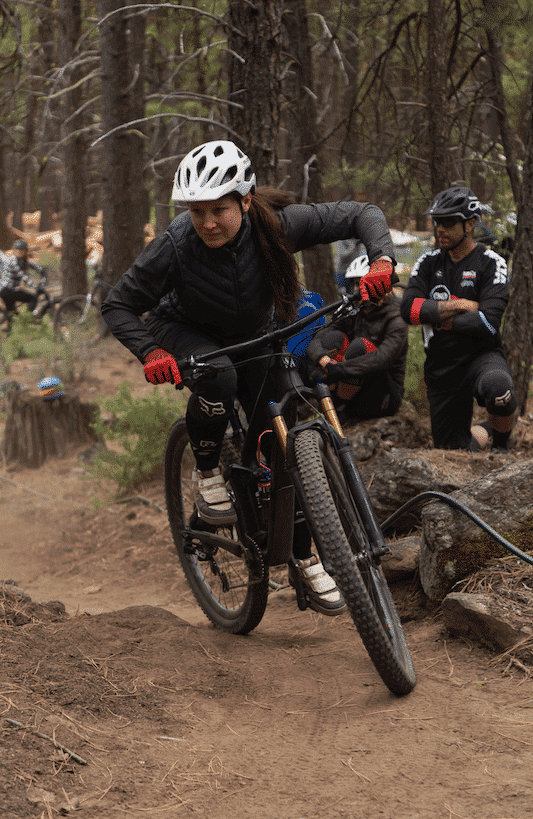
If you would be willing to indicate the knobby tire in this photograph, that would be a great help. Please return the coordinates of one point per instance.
(223, 584)
(68, 319)
(347, 547)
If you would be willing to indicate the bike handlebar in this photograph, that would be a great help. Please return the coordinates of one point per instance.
(283, 333)
(273, 336)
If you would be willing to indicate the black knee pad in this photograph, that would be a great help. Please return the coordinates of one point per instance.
(334, 340)
(358, 347)
(207, 411)
(496, 392)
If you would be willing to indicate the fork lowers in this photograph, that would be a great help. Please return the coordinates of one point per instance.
(328, 408)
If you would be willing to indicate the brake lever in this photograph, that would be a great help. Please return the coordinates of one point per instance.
(203, 371)
(193, 371)
(348, 307)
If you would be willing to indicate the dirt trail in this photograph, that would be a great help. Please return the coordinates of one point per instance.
(174, 718)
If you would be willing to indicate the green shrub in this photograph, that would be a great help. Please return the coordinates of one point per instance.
(140, 427)
(28, 339)
(68, 359)
(415, 387)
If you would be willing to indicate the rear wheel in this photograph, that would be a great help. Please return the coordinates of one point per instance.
(231, 587)
(346, 545)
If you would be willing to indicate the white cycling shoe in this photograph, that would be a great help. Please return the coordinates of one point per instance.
(211, 498)
(320, 589)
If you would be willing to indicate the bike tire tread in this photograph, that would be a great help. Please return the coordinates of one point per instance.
(392, 663)
(251, 611)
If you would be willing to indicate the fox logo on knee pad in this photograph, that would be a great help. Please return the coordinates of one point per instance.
(503, 400)
(211, 408)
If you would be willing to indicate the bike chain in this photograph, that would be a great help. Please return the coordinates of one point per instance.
(254, 559)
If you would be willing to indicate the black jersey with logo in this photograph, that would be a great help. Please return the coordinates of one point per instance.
(481, 276)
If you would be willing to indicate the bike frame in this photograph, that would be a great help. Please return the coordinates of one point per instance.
(283, 381)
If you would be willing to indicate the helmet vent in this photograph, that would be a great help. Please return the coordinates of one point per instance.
(218, 150)
(202, 162)
(230, 174)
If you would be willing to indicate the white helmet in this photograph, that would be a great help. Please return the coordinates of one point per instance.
(357, 268)
(210, 171)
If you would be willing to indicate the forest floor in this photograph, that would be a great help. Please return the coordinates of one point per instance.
(164, 716)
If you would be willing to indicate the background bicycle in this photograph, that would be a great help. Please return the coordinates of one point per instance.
(303, 475)
(47, 304)
(77, 315)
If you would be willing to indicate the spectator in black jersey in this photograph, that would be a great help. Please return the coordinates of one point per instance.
(220, 274)
(458, 293)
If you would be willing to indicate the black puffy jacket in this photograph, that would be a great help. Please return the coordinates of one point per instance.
(221, 291)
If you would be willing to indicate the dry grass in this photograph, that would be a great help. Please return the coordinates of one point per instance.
(509, 582)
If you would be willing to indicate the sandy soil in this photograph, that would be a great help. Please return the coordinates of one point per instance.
(168, 717)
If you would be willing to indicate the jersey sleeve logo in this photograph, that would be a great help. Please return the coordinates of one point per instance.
(500, 272)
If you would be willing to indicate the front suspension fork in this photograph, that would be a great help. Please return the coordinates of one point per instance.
(349, 467)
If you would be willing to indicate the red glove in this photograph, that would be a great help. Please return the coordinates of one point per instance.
(160, 366)
(378, 281)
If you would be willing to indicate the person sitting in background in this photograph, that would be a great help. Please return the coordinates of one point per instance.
(346, 251)
(14, 273)
(362, 357)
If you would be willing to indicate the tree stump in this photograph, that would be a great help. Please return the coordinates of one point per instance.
(37, 430)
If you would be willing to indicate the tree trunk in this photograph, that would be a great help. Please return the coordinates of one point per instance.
(496, 62)
(37, 430)
(141, 203)
(122, 241)
(306, 155)
(517, 336)
(73, 210)
(437, 103)
(7, 237)
(49, 176)
(254, 69)
(350, 139)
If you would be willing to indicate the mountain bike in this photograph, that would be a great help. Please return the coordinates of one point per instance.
(46, 304)
(304, 473)
(82, 313)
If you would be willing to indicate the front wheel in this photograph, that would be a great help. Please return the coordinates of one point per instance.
(75, 318)
(230, 586)
(346, 545)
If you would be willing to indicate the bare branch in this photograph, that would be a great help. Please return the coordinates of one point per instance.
(191, 95)
(91, 76)
(129, 125)
(142, 8)
(333, 42)
(42, 9)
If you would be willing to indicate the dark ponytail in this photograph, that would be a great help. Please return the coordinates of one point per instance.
(277, 261)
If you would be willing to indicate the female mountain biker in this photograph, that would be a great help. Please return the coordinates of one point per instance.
(221, 273)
